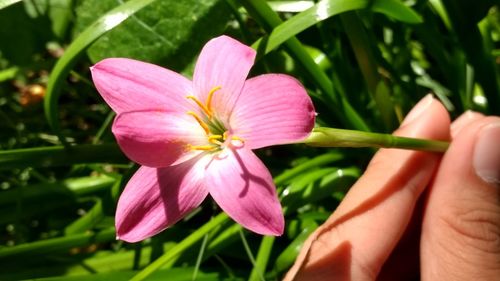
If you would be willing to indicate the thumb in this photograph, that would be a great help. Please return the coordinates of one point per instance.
(358, 238)
(461, 226)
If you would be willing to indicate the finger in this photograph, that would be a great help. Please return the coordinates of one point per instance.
(359, 236)
(465, 119)
(461, 225)
(404, 260)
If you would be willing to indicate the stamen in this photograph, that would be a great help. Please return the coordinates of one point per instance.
(202, 147)
(201, 105)
(215, 139)
(198, 119)
(237, 138)
(224, 137)
(209, 98)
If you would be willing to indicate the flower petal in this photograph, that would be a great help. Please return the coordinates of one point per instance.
(128, 85)
(157, 138)
(223, 62)
(243, 187)
(155, 199)
(272, 109)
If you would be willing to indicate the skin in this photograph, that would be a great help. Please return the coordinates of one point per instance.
(414, 215)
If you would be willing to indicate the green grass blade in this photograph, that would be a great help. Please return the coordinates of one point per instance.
(364, 51)
(9, 73)
(329, 8)
(262, 258)
(464, 20)
(288, 256)
(6, 3)
(60, 156)
(63, 66)
(87, 221)
(181, 247)
(250, 255)
(313, 163)
(70, 187)
(396, 9)
(261, 11)
(57, 244)
(174, 274)
(223, 240)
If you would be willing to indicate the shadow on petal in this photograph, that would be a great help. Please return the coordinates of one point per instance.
(155, 199)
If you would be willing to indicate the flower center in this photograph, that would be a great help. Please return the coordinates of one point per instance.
(216, 132)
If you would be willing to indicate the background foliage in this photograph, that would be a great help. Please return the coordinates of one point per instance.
(365, 63)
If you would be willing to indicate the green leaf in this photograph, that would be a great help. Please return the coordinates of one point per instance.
(169, 32)
(87, 221)
(6, 3)
(181, 247)
(464, 17)
(396, 9)
(288, 256)
(270, 21)
(326, 9)
(57, 11)
(57, 244)
(60, 13)
(70, 187)
(63, 66)
(262, 258)
(313, 163)
(22, 36)
(61, 156)
(174, 274)
(8, 73)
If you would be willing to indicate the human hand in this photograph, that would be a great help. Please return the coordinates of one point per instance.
(417, 214)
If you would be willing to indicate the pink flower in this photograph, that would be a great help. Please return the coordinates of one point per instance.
(196, 137)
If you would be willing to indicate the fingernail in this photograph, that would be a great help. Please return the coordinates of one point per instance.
(462, 121)
(486, 160)
(419, 108)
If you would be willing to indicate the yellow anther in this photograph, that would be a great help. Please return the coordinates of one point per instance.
(202, 147)
(215, 139)
(209, 97)
(224, 137)
(198, 119)
(201, 105)
(237, 138)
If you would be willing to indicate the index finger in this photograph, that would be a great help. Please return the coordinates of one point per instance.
(355, 241)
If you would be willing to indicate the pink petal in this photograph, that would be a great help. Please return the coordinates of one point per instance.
(243, 187)
(128, 85)
(157, 138)
(223, 62)
(272, 109)
(155, 199)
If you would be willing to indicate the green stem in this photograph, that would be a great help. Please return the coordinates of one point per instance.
(330, 137)
(181, 247)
